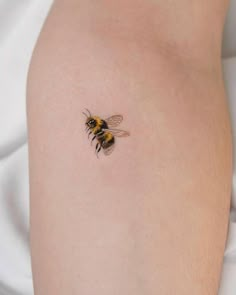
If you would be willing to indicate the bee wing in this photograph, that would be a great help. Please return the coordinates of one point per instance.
(114, 121)
(118, 132)
(109, 150)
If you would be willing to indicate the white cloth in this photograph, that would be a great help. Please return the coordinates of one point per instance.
(20, 23)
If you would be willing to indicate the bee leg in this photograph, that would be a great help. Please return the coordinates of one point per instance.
(97, 149)
(97, 146)
(93, 139)
(89, 133)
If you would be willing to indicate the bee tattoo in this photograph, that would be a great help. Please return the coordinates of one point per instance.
(103, 131)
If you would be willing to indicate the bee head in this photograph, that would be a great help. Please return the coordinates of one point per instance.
(91, 122)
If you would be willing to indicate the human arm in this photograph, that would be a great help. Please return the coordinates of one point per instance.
(151, 218)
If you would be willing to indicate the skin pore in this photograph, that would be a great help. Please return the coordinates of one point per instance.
(151, 218)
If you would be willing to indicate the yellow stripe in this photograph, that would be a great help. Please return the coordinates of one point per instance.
(99, 124)
(108, 136)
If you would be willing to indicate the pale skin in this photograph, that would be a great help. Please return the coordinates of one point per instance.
(152, 217)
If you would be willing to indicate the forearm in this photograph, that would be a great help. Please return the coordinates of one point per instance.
(151, 218)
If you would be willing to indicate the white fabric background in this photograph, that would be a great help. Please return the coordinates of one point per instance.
(20, 23)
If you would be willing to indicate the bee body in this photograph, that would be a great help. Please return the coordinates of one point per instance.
(105, 140)
(97, 124)
(102, 131)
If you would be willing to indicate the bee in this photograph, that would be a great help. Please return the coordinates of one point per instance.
(103, 131)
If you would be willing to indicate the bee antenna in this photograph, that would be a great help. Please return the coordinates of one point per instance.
(88, 112)
(85, 114)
